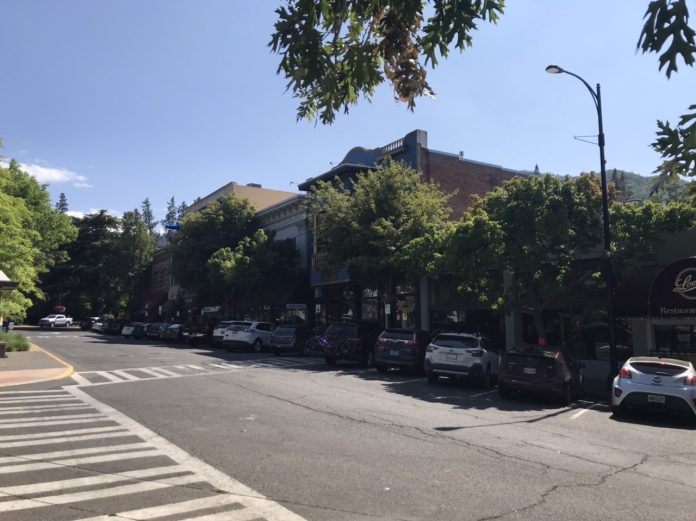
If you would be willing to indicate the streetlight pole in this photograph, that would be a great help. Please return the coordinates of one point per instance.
(608, 273)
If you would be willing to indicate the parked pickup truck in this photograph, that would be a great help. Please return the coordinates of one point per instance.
(55, 321)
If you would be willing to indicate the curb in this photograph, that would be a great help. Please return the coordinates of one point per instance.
(32, 376)
(69, 369)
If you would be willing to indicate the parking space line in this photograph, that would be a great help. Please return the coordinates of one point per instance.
(583, 411)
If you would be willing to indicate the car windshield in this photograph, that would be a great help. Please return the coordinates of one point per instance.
(461, 342)
(659, 368)
(398, 335)
(341, 330)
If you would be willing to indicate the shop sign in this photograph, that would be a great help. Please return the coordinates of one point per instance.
(673, 292)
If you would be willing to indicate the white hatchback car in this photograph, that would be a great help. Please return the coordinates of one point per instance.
(462, 354)
(648, 382)
(254, 335)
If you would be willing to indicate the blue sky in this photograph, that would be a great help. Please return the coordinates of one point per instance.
(114, 101)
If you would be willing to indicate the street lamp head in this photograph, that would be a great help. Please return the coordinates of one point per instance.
(554, 69)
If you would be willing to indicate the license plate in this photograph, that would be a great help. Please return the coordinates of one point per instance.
(394, 352)
(529, 370)
(450, 356)
(656, 398)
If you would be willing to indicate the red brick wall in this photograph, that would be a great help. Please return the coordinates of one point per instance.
(467, 177)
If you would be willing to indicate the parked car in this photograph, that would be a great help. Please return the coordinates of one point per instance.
(290, 339)
(98, 326)
(658, 384)
(155, 330)
(350, 341)
(219, 330)
(401, 348)
(546, 370)
(134, 329)
(55, 320)
(86, 323)
(113, 326)
(172, 333)
(249, 335)
(462, 355)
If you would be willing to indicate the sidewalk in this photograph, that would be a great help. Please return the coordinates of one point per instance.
(35, 365)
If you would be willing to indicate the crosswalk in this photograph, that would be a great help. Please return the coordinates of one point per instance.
(114, 376)
(65, 455)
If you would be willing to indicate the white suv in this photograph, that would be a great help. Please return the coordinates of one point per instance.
(254, 335)
(462, 354)
(221, 327)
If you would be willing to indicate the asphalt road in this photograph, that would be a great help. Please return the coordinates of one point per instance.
(350, 444)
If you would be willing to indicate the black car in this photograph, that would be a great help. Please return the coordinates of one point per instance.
(155, 330)
(113, 326)
(172, 333)
(87, 322)
(545, 370)
(290, 339)
(401, 348)
(350, 341)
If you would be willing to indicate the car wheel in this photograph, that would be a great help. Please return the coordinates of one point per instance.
(432, 378)
(257, 346)
(381, 368)
(618, 411)
(486, 378)
(504, 392)
(331, 361)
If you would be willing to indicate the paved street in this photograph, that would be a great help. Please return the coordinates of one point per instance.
(149, 431)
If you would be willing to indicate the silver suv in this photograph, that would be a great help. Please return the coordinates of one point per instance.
(462, 354)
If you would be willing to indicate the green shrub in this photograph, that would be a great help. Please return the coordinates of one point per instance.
(14, 341)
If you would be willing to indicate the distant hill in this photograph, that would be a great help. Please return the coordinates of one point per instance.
(632, 186)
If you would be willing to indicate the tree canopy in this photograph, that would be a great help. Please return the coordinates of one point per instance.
(384, 225)
(221, 224)
(32, 236)
(333, 53)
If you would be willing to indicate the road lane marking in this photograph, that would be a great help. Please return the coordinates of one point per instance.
(64, 439)
(182, 507)
(148, 370)
(53, 434)
(81, 380)
(583, 411)
(262, 506)
(98, 419)
(80, 461)
(165, 372)
(125, 375)
(99, 479)
(39, 419)
(197, 368)
(34, 399)
(41, 408)
(61, 454)
(62, 499)
(109, 376)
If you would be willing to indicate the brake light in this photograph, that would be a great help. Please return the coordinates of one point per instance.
(690, 380)
(381, 342)
(410, 343)
(475, 352)
(429, 349)
(624, 373)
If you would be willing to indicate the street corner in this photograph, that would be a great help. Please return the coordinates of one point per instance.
(32, 366)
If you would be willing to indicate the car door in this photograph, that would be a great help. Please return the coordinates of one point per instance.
(493, 354)
(264, 330)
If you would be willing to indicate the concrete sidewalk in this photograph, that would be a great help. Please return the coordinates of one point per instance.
(35, 365)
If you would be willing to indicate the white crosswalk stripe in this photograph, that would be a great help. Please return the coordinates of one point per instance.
(132, 374)
(64, 467)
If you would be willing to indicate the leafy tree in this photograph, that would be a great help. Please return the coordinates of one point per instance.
(170, 218)
(256, 262)
(667, 32)
(148, 217)
(137, 246)
(18, 254)
(333, 52)
(531, 228)
(62, 204)
(221, 224)
(33, 234)
(385, 225)
(181, 211)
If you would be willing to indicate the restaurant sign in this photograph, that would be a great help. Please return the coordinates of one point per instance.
(673, 293)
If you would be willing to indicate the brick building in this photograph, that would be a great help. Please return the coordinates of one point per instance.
(425, 304)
